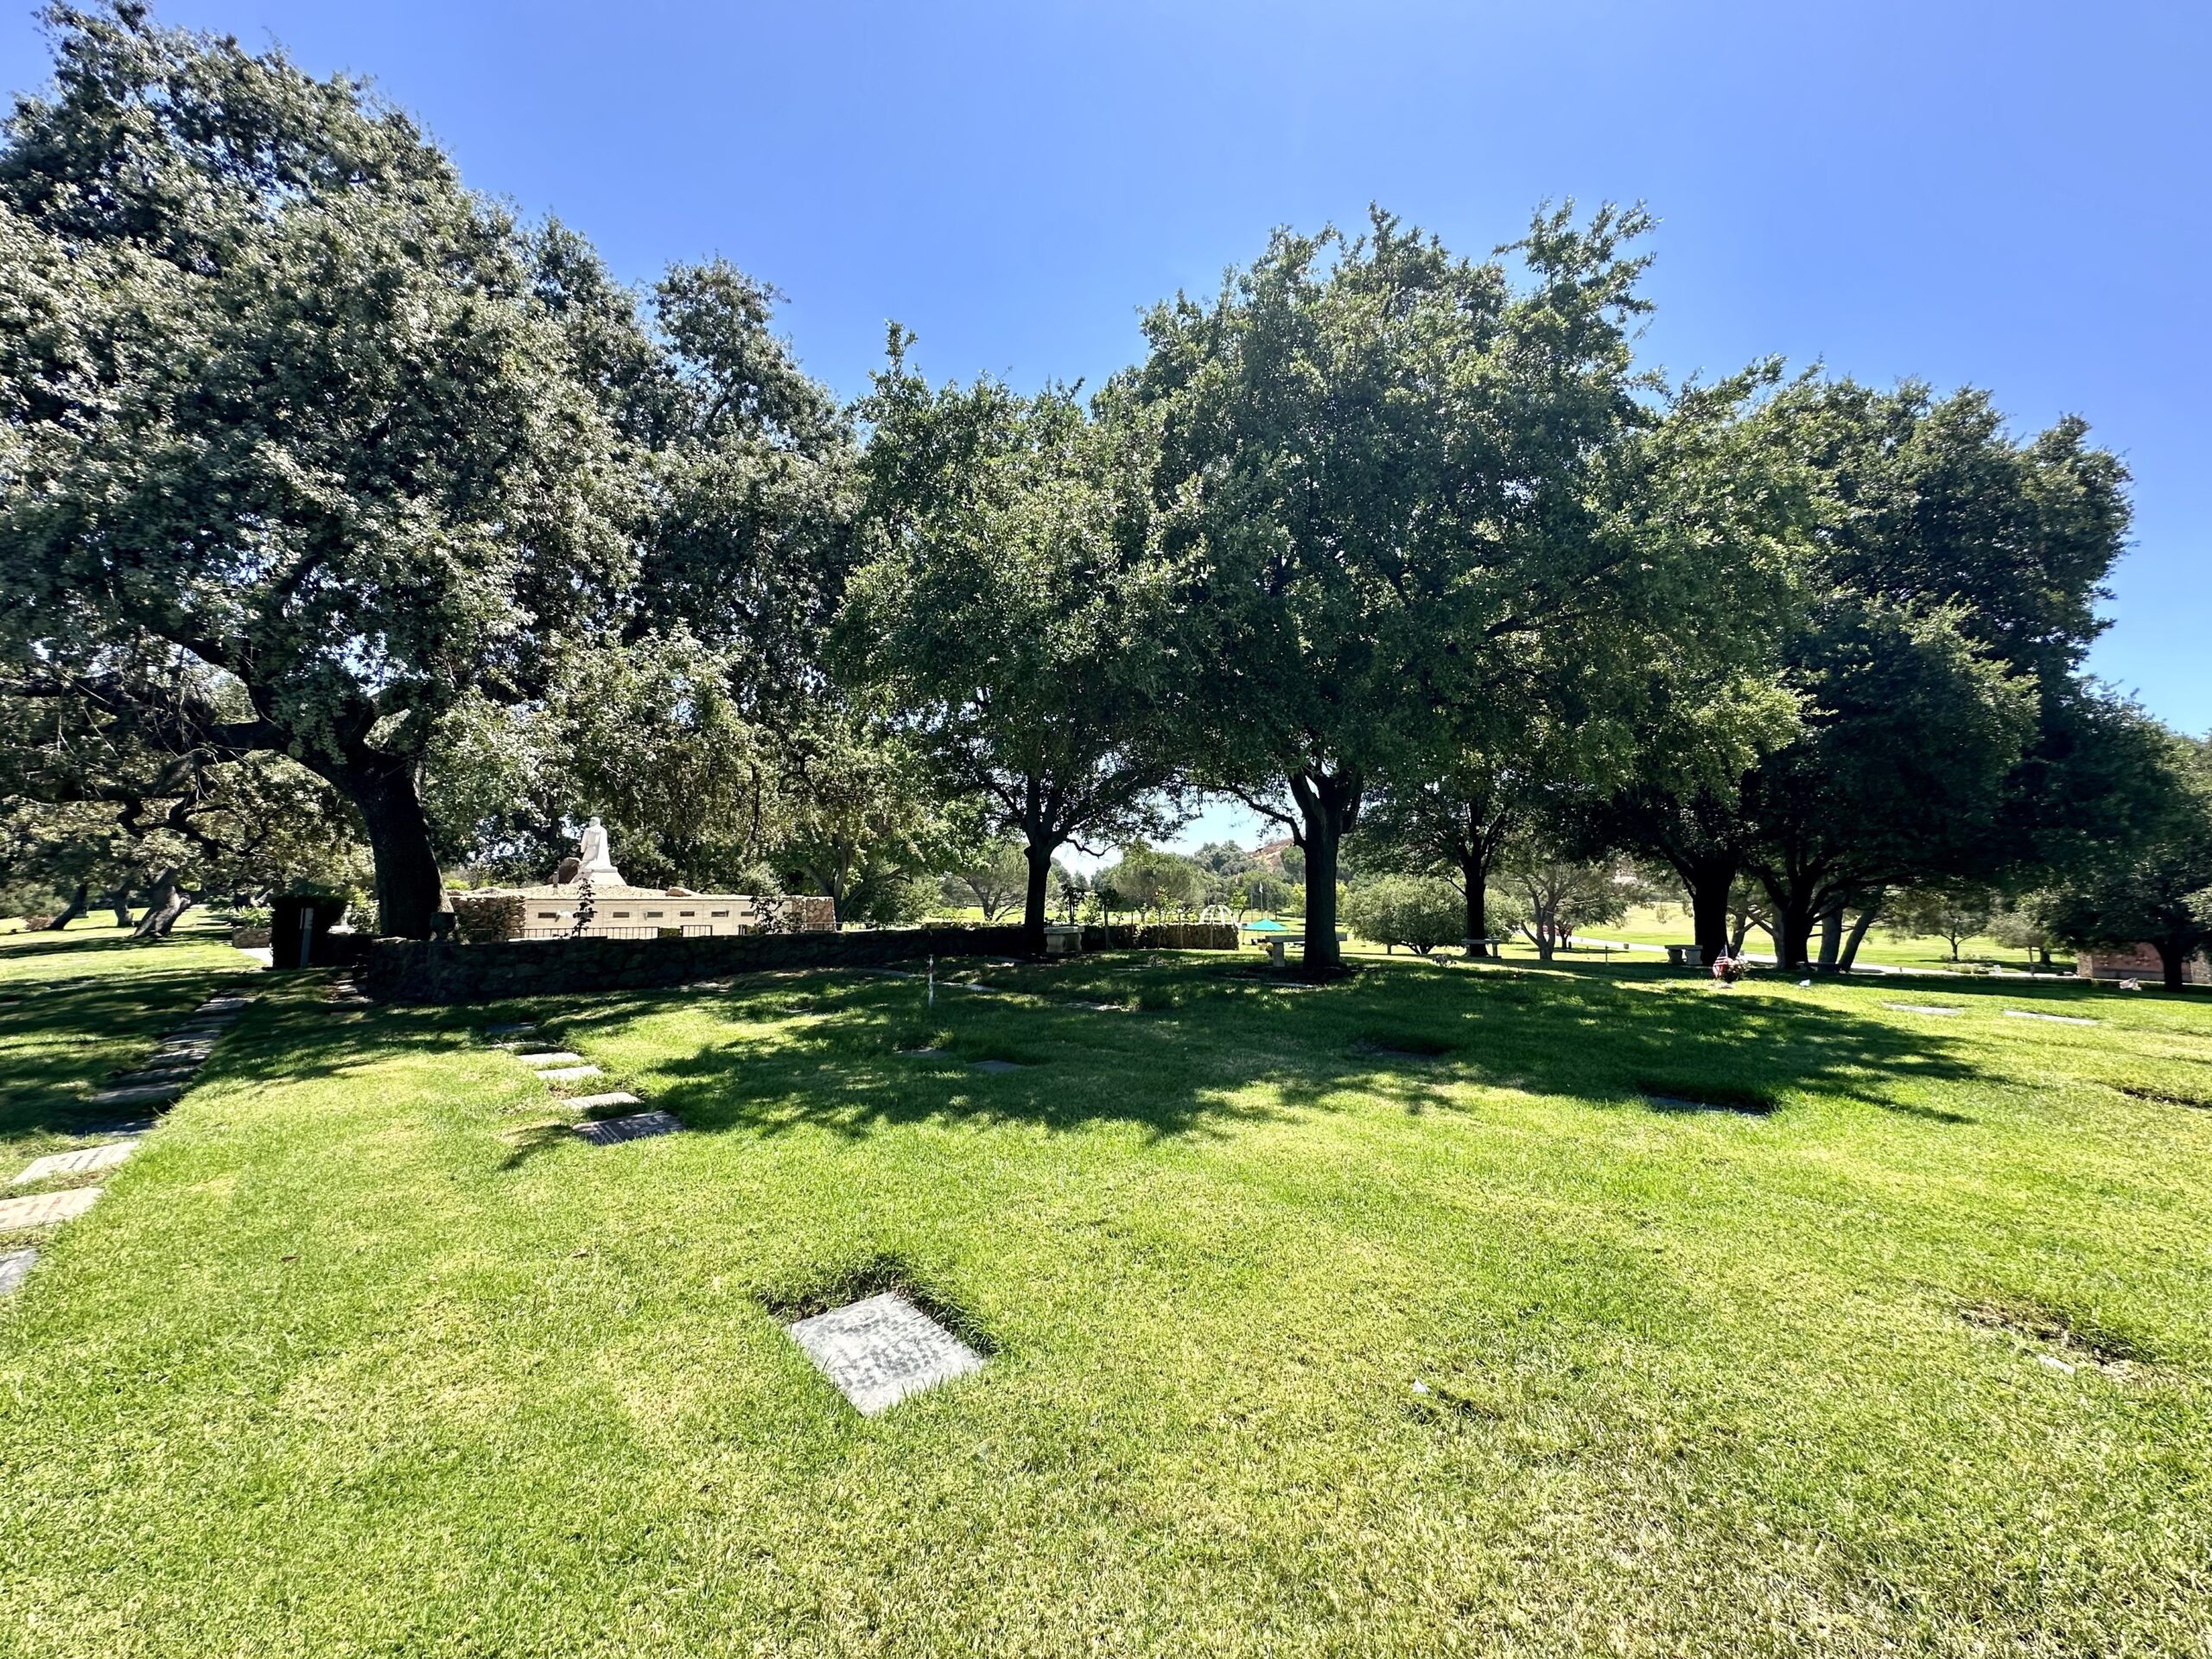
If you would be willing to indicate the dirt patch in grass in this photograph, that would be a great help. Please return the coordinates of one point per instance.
(1669, 1094)
(2057, 1339)
(840, 1286)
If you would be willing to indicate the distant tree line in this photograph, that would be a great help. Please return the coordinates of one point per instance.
(358, 533)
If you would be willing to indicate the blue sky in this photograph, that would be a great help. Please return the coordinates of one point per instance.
(2016, 195)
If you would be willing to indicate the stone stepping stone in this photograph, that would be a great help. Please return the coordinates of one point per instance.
(511, 1028)
(995, 1065)
(138, 1094)
(2055, 1019)
(46, 1208)
(84, 1161)
(612, 1131)
(1918, 1008)
(599, 1103)
(15, 1268)
(569, 1073)
(549, 1056)
(883, 1351)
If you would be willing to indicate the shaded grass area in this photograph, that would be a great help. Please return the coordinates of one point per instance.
(1387, 1317)
(78, 1006)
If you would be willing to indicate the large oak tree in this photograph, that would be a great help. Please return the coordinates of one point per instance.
(287, 402)
(1419, 505)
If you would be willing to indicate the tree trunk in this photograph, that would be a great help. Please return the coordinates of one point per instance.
(169, 903)
(1475, 872)
(1329, 807)
(119, 902)
(1867, 915)
(410, 889)
(1034, 915)
(2173, 964)
(1708, 886)
(1793, 927)
(1831, 934)
(71, 912)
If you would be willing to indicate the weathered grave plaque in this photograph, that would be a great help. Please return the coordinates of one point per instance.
(511, 1028)
(46, 1208)
(15, 1266)
(613, 1131)
(1918, 1008)
(2056, 1018)
(549, 1056)
(881, 1351)
(997, 1065)
(596, 1102)
(82, 1162)
(138, 1094)
(569, 1073)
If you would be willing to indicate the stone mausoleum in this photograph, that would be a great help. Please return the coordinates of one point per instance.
(620, 911)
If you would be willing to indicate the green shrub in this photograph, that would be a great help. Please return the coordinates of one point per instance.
(1417, 911)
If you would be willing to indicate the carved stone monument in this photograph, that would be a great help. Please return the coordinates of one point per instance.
(593, 860)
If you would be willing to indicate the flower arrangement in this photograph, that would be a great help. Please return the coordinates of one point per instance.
(1729, 970)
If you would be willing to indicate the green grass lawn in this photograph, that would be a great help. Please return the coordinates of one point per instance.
(1392, 1316)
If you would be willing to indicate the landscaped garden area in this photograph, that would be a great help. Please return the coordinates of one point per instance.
(1445, 1307)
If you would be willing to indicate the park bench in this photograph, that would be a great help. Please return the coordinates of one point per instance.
(1278, 943)
(1685, 956)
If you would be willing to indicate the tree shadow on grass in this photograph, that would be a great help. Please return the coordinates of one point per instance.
(1229, 1050)
(1217, 1045)
(73, 1033)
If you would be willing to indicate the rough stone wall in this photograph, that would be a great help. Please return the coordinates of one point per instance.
(483, 918)
(420, 970)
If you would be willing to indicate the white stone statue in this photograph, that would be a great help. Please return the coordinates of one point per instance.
(593, 859)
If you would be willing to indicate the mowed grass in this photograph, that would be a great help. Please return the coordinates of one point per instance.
(77, 1006)
(1390, 1317)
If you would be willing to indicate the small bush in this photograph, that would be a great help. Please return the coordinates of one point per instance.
(1419, 912)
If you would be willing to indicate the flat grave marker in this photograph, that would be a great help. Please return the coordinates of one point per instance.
(46, 1209)
(2056, 1018)
(569, 1073)
(995, 1065)
(596, 1102)
(138, 1094)
(1918, 1008)
(15, 1268)
(549, 1056)
(883, 1351)
(511, 1028)
(84, 1161)
(612, 1131)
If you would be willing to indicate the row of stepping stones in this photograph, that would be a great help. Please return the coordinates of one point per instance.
(153, 1086)
(559, 1066)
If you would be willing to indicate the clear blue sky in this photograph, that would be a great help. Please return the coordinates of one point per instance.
(2017, 195)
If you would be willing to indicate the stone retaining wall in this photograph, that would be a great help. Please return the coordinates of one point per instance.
(418, 971)
(1161, 936)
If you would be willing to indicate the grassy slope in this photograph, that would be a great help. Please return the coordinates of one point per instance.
(357, 1358)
